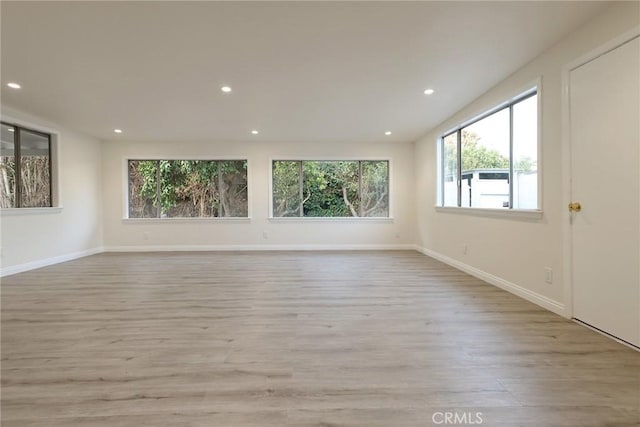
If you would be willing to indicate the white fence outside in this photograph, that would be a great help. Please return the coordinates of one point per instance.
(489, 188)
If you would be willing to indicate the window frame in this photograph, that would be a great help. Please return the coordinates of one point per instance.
(159, 219)
(54, 191)
(528, 91)
(389, 160)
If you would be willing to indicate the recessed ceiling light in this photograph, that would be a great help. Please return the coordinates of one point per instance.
(117, 130)
(11, 130)
(429, 91)
(225, 89)
(388, 132)
(14, 85)
(254, 132)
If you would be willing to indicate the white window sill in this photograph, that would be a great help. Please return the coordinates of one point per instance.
(331, 219)
(493, 213)
(184, 220)
(30, 211)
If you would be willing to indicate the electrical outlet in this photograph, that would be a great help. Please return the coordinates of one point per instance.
(548, 275)
(464, 248)
(145, 236)
(265, 235)
(397, 235)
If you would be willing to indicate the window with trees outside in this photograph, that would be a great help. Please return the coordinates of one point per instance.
(25, 168)
(335, 189)
(187, 188)
(492, 162)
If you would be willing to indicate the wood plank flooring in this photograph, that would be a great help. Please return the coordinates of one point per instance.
(296, 339)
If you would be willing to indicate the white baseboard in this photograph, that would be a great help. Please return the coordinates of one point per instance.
(299, 247)
(20, 268)
(518, 290)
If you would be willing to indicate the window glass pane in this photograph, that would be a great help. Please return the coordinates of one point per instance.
(143, 188)
(375, 189)
(286, 188)
(7, 168)
(450, 169)
(188, 188)
(330, 188)
(485, 148)
(234, 188)
(35, 179)
(525, 154)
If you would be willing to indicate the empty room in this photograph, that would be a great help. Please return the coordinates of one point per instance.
(320, 213)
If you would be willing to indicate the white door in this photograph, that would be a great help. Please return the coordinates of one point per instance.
(604, 102)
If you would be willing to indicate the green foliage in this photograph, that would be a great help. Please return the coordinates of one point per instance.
(324, 186)
(286, 190)
(201, 188)
(524, 164)
(477, 156)
(330, 188)
(375, 189)
(188, 188)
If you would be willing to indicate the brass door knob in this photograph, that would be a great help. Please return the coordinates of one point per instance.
(575, 207)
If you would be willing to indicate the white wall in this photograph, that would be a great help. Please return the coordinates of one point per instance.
(31, 240)
(514, 251)
(249, 234)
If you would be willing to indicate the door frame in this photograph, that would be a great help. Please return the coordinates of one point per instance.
(567, 247)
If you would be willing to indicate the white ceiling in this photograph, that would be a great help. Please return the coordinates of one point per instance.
(304, 72)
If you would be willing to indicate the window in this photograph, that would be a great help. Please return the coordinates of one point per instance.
(187, 188)
(492, 162)
(25, 168)
(349, 188)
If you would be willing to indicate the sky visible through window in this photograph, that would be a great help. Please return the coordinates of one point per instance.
(525, 132)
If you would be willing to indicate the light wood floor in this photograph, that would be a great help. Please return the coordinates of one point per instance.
(296, 339)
